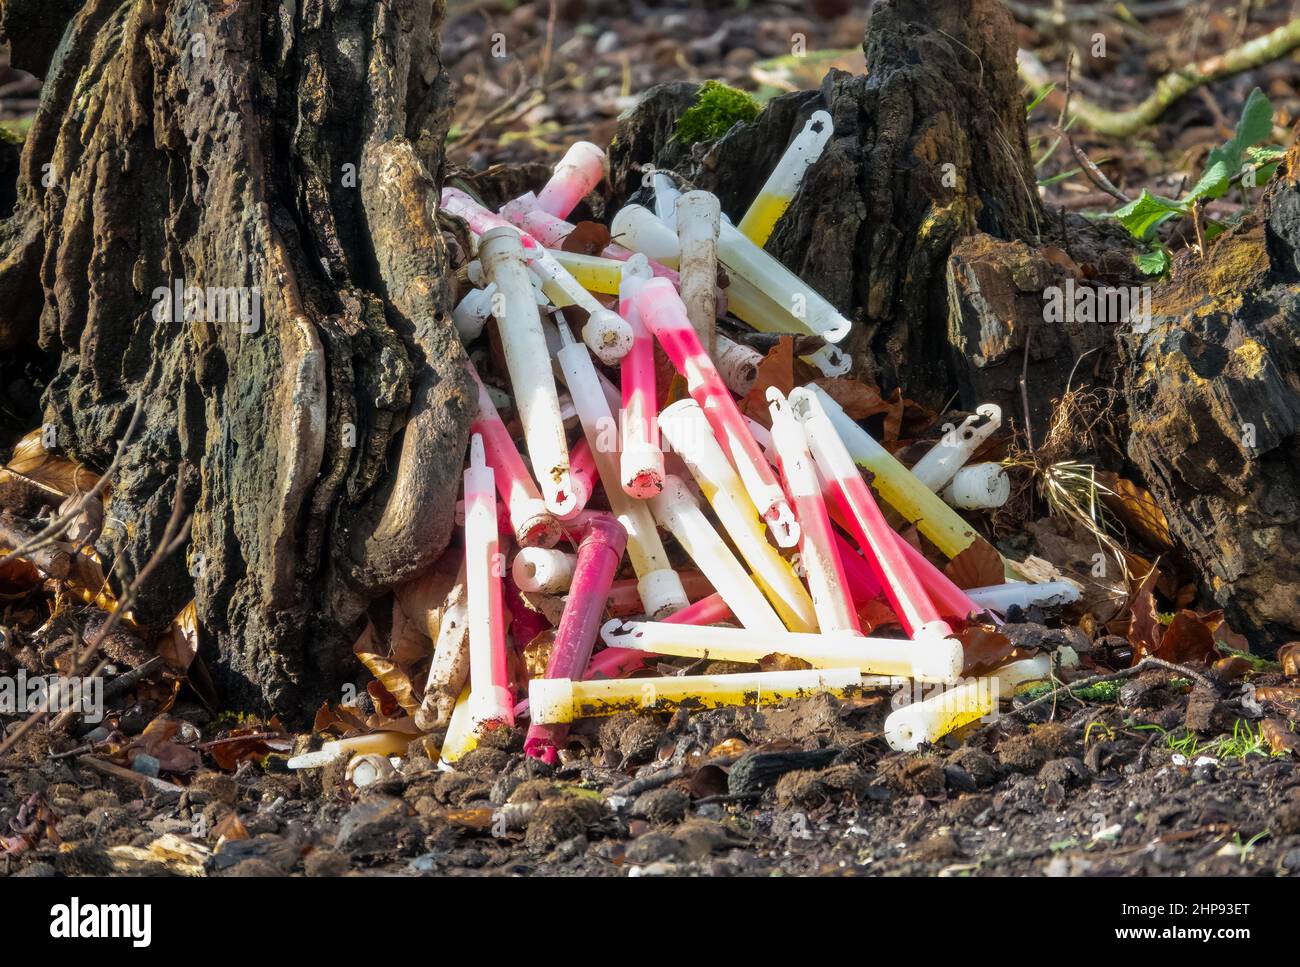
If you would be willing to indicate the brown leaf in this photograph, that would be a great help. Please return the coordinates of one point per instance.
(777, 662)
(776, 370)
(978, 566)
(392, 677)
(1137, 509)
(1145, 629)
(875, 614)
(32, 463)
(1187, 641)
(1288, 656)
(1231, 669)
(230, 828)
(857, 399)
(180, 643)
(1287, 696)
(983, 649)
(1280, 737)
(587, 238)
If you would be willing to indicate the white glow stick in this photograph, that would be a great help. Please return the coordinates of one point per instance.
(1001, 597)
(639, 229)
(938, 660)
(684, 426)
(530, 368)
(659, 586)
(980, 486)
(490, 700)
(1012, 676)
(817, 552)
(737, 363)
(676, 509)
(951, 708)
(698, 215)
(783, 183)
(544, 570)
(471, 315)
(556, 700)
(950, 454)
(607, 335)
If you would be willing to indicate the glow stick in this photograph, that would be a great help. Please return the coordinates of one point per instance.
(598, 558)
(471, 315)
(639, 229)
(737, 363)
(552, 232)
(678, 512)
(698, 217)
(624, 598)
(531, 522)
(592, 272)
(684, 426)
(543, 570)
(524, 344)
(563, 700)
(621, 662)
(783, 183)
(490, 701)
(981, 486)
(449, 669)
(937, 660)
(607, 334)
(1001, 597)
(575, 177)
(895, 484)
(928, 721)
(941, 463)
(582, 472)
(663, 314)
(1011, 677)
(657, 583)
(642, 462)
(895, 574)
(817, 551)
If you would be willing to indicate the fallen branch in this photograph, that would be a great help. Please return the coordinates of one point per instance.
(1175, 84)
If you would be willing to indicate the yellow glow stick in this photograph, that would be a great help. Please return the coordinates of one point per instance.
(932, 660)
(783, 183)
(928, 721)
(555, 700)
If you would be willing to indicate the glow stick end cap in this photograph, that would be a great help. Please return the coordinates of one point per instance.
(661, 592)
(550, 700)
(905, 729)
(491, 706)
(608, 335)
(937, 660)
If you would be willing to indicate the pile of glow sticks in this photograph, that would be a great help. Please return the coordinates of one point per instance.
(793, 542)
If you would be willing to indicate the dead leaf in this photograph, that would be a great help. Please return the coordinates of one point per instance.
(984, 648)
(1137, 509)
(1288, 656)
(857, 399)
(978, 566)
(587, 238)
(180, 643)
(1144, 629)
(1279, 736)
(229, 829)
(776, 662)
(392, 677)
(876, 614)
(33, 464)
(775, 370)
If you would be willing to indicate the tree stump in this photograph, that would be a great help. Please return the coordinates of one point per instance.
(1213, 390)
(279, 163)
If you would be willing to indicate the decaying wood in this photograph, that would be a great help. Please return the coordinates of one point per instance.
(290, 151)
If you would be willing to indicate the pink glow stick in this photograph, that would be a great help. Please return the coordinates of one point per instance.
(582, 471)
(817, 550)
(490, 700)
(915, 610)
(664, 314)
(641, 465)
(599, 553)
(574, 178)
(621, 662)
(532, 523)
(625, 600)
(551, 232)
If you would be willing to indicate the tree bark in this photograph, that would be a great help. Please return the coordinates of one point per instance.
(1213, 390)
(287, 150)
(929, 146)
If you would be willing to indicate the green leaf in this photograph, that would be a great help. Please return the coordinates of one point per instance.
(1145, 214)
(1223, 162)
(1256, 122)
(1153, 261)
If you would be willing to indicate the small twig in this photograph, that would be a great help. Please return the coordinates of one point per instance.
(1143, 665)
(124, 681)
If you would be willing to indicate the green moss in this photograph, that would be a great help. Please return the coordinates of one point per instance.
(716, 109)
